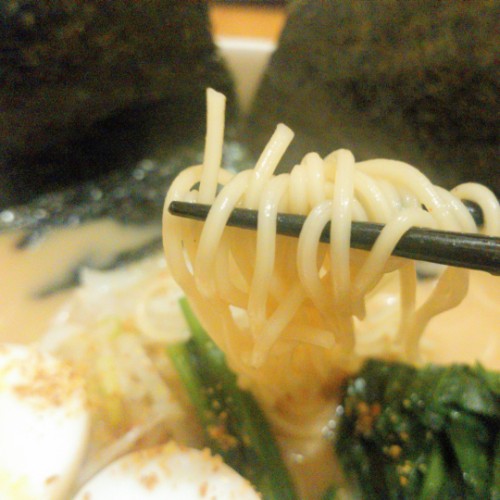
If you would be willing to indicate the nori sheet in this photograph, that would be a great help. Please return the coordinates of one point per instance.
(89, 87)
(415, 81)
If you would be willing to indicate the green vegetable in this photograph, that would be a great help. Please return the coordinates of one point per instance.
(330, 494)
(421, 433)
(233, 423)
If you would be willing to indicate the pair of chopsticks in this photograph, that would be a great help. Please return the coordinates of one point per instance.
(470, 251)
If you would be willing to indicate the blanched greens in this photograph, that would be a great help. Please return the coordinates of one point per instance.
(234, 426)
(421, 433)
(404, 433)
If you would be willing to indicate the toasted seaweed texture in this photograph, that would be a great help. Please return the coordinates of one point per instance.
(411, 80)
(132, 197)
(86, 87)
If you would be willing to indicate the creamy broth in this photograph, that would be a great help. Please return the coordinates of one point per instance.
(465, 334)
(25, 273)
(471, 331)
(468, 333)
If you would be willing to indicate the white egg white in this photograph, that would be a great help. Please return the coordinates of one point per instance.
(44, 425)
(168, 471)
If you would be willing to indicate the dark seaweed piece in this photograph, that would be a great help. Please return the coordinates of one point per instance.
(89, 87)
(421, 433)
(415, 81)
(234, 425)
(133, 196)
(72, 277)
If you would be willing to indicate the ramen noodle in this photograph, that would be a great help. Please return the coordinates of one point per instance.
(291, 314)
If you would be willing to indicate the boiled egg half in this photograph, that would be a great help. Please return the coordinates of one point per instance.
(169, 471)
(44, 425)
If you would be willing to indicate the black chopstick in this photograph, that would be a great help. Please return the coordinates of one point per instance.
(466, 250)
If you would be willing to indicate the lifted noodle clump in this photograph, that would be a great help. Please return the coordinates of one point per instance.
(290, 313)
